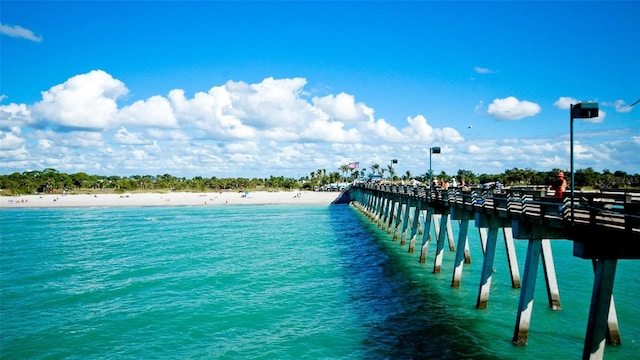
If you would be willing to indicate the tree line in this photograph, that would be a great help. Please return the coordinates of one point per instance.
(584, 178)
(52, 181)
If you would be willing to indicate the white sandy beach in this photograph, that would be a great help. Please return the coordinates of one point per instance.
(169, 199)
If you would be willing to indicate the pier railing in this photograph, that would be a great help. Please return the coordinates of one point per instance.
(615, 212)
(604, 227)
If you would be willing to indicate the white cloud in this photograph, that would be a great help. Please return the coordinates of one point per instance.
(565, 102)
(211, 114)
(44, 144)
(419, 129)
(449, 135)
(156, 111)
(122, 136)
(343, 107)
(19, 32)
(171, 135)
(479, 106)
(483, 70)
(272, 127)
(382, 130)
(621, 106)
(272, 102)
(511, 108)
(14, 115)
(329, 131)
(82, 139)
(10, 140)
(84, 101)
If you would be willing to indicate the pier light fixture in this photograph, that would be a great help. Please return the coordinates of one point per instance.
(393, 161)
(584, 110)
(432, 150)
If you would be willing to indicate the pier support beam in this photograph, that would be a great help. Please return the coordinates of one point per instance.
(414, 227)
(437, 263)
(512, 258)
(426, 235)
(553, 292)
(398, 217)
(525, 304)
(482, 231)
(613, 330)
(452, 244)
(599, 311)
(405, 222)
(494, 224)
(487, 268)
(460, 253)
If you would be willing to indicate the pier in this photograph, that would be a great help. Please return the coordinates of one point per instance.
(604, 227)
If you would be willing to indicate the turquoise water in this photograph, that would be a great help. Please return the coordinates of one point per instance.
(268, 282)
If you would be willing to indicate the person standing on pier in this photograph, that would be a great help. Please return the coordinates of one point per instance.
(559, 185)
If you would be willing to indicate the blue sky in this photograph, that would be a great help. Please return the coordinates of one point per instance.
(248, 89)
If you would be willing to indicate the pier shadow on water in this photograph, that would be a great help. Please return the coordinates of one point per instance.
(403, 317)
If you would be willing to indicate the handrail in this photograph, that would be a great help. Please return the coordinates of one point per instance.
(612, 209)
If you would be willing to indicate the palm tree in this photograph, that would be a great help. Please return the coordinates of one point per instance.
(392, 172)
(375, 169)
(345, 169)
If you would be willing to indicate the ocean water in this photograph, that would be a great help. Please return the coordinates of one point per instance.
(269, 282)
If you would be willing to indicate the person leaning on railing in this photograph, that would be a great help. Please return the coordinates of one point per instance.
(559, 185)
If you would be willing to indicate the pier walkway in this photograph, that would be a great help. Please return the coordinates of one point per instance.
(604, 227)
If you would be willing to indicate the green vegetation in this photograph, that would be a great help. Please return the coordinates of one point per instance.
(51, 181)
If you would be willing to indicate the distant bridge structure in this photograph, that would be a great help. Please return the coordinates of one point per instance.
(604, 227)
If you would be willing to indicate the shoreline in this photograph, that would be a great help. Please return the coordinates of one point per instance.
(169, 199)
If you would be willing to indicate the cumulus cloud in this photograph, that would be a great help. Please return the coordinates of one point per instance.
(155, 111)
(14, 115)
(239, 129)
(382, 130)
(19, 32)
(272, 102)
(511, 108)
(331, 131)
(11, 140)
(343, 107)
(86, 101)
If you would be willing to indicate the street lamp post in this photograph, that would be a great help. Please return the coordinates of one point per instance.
(432, 150)
(579, 111)
(393, 161)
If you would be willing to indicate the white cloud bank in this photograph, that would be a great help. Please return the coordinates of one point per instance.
(273, 127)
(236, 126)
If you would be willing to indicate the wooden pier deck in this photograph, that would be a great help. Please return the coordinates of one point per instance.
(604, 227)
